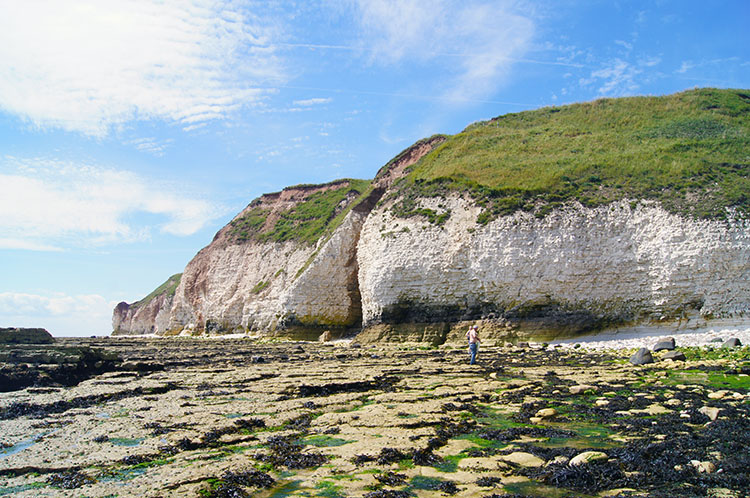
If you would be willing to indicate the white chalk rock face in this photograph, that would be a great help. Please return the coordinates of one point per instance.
(269, 286)
(148, 316)
(576, 267)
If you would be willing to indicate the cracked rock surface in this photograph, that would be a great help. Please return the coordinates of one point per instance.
(200, 418)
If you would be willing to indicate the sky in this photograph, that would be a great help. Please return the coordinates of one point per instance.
(132, 131)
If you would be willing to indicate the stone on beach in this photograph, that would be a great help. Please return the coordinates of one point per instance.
(666, 344)
(674, 356)
(588, 457)
(732, 343)
(642, 357)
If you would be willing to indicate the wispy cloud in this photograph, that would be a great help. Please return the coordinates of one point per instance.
(619, 77)
(312, 102)
(151, 145)
(474, 43)
(51, 204)
(89, 65)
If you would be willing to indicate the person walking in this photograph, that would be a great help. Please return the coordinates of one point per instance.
(473, 337)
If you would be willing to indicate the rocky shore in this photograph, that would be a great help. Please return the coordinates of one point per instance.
(234, 417)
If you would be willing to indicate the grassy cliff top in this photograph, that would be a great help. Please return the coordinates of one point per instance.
(318, 214)
(690, 151)
(169, 287)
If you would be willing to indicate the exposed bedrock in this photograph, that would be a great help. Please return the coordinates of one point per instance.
(574, 271)
(150, 315)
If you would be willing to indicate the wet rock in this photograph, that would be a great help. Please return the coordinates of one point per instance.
(732, 343)
(387, 493)
(588, 457)
(642, 357)
(391, 478)
(448, 487)
(23, 366)
(666, 344)
(674, 356)
(253, 478)
(25, 336)
(257, 359)
(71, 479)
(488, 482)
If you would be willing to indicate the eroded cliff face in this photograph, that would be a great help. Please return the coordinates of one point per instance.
(425, 273)
(256, 278)
(576, 270)
(147, 316)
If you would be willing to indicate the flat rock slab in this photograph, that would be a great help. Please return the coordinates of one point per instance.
(25, 336)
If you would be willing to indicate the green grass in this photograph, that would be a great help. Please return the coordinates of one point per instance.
(688, 151)
(329, 489)
(714, 380)
(169, 287)
(319, 213)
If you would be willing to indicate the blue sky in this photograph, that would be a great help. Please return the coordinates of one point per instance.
(130, 132)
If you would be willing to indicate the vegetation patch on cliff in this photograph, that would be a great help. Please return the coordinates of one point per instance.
(689, 151)
(321, 212)
(169, 287)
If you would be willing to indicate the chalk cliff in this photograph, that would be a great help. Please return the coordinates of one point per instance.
(150, 315)
(575, 270)
(526, 223)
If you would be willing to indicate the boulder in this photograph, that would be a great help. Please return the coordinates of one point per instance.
(546, 413)
(710, 411)
(674, 355)
(732, 343)
(703, 467)
(25, 336)
(588, 457)
(667, 344)
(523, 459)
(642, 357)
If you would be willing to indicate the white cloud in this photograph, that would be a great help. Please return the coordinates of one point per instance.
(151, 145)
(311, 102)
(45, 205)
(617, 78)
(476, 43)
(61, 314)
(90, 65)
(16, 303)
